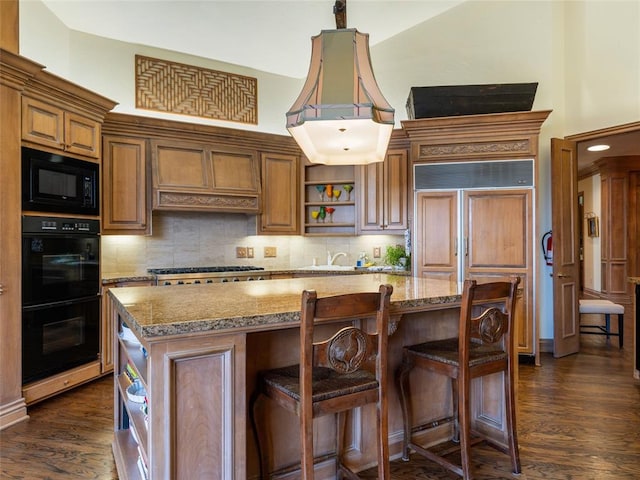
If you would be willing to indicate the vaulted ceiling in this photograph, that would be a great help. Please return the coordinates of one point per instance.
(269, 35)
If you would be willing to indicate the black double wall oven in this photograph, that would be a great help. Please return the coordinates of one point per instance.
(60, 265)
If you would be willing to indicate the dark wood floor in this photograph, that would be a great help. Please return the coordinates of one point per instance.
(579, 418)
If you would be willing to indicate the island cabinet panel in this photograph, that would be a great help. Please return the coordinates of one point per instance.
(124, 186)
(202, 177)
(194, 425)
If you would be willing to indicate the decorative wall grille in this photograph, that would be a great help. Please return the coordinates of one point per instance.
(171, 87)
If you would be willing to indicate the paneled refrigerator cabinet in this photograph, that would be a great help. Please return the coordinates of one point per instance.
(474, 181)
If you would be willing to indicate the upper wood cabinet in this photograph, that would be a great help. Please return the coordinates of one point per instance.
(51, 126)
(203, 177)
(383, 194)
(124, 186)
(280, 195)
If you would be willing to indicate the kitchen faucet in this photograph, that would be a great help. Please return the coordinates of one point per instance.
(331, 259)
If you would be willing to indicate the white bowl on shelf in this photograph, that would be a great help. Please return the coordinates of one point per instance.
(136, 392)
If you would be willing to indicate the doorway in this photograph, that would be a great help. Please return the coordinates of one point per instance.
(619, 211)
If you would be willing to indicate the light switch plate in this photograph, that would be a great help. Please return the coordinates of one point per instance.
(269, 252)
(241, 252)
(249, 252)
(376, 252)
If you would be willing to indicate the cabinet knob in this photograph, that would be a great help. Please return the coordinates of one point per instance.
(1, 288)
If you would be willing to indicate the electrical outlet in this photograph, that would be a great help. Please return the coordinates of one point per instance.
(249, 252)
(376, 252)
(269, 252)
(241, 252)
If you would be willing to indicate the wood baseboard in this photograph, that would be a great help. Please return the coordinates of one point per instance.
(13, 413)
(546, 345)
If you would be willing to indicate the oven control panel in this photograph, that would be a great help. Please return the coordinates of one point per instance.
(59, 225)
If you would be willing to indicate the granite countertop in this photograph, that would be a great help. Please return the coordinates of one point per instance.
(226, 307)
(120, 277)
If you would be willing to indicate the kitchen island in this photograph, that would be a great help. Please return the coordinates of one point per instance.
(198, 348)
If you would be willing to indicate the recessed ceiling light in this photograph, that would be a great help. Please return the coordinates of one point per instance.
(598, 148)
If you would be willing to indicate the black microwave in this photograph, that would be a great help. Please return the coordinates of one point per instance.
(55, 183)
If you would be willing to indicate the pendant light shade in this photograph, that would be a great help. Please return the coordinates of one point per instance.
(341, 117)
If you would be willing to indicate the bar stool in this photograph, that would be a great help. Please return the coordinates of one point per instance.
(606, 308)
(484, 346)
(345, 371)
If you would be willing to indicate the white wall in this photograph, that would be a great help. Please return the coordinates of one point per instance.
(585, 55)
(591, 186)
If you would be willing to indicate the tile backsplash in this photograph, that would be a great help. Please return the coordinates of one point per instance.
(206, 239)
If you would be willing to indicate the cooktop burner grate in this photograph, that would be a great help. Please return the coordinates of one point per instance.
(188, 270)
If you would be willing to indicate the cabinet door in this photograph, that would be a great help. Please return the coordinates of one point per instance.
(396, 191)
(498, 235)
(383, 194)
(183, 167)
(51, 126)
(81, 135)
(436, 249)
(124, 186)
(280, 195)
(42, 123)
(235, 171)
(370, 185)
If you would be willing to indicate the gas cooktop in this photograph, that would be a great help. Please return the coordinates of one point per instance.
(189, 270)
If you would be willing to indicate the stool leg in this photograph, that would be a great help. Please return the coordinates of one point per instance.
(253, 412)
(456, 410)
(512, 430)
(403, 388)
(464, 416)
(607, 321)
(621, 328)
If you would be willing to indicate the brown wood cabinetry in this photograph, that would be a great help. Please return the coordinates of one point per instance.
(208, 169)
(15, 73)
(195, 424)
(124, 186)
(201, 177)
(280, 195)
(488, 239)
(52, 126)
(436, 254)
(40, 110)
(617, 225)
(383, 194)
(339, 218)
(482, 232)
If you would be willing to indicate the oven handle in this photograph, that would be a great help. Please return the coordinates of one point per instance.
(63, 303)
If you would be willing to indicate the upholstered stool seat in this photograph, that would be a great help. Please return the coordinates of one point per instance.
(606, 308)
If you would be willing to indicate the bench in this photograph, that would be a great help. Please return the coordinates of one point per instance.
(606, 308)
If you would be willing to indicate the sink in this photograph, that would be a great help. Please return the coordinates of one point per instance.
(329, 268)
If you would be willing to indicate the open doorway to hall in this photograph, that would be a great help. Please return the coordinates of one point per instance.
(604, 233)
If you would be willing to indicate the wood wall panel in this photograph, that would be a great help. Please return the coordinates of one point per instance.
(165, 86)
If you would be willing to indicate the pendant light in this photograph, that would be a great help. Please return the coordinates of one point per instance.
(341, 116)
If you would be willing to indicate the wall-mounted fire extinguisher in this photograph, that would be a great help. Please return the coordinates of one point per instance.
(547, 247)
